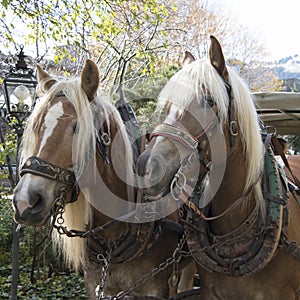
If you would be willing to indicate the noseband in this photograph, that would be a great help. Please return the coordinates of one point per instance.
(37, 166)
(178, 134)
(185, 138)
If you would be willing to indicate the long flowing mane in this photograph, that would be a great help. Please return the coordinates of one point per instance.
(76, 214)
(194, 80)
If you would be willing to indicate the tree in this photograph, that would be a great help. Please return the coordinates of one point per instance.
(196, 20)
(132, 39)
(112, 32)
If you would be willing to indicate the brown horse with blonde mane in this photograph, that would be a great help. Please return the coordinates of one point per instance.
(215, 157)
(77, 165)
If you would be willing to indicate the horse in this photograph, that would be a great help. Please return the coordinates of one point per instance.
(77, 170)
(215, 157)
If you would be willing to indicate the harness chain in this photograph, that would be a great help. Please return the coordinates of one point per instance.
(57, 223)
(277, 211)
(175, 258)
(105, 266)
(37, 166)
(105, 261)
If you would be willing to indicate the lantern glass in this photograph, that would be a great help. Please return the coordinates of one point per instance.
(20, 88)
(20, 94)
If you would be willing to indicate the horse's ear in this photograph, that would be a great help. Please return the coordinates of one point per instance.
(188, 58)
(217, 58)
(90, 79)
(43, 75)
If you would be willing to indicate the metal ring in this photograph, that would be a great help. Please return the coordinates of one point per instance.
(180, 174)
(102, 259)
(233, 127)
(60, 220)
(173, 183)
(191, 157)
(105, 138)
(273, 128)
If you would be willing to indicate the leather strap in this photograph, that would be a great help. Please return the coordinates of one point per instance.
(40, 167)
(175, 133)
(279, 150)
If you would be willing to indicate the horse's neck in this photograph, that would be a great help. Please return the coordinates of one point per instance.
(115, 183)
(231, 189)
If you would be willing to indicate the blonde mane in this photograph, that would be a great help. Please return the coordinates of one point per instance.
(193, 81)
(79, 213)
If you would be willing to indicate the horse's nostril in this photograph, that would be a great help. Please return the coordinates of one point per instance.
(156, 168)
(36, 201)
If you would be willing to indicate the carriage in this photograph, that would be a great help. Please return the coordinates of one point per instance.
(213, 192)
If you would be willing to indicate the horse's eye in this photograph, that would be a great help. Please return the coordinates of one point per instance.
(75, 127)
(209, 101)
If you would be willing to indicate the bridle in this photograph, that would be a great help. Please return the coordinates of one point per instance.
(182, 135)
(37, 166)
(199, 143)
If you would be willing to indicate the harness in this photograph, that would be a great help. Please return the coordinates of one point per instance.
(252, 245)
(137, 238)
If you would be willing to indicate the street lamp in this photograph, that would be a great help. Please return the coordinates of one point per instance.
(20, 96)
(19, 89)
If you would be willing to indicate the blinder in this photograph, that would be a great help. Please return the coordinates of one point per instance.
(103, 138)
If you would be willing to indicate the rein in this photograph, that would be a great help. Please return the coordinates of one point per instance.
(191, 205)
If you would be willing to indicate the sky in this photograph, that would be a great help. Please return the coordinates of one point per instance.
(278, 22)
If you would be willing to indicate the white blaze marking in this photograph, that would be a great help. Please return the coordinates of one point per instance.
(23, 203)
(51, 120)
(171, 117)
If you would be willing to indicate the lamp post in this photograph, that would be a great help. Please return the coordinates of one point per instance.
(19, 87)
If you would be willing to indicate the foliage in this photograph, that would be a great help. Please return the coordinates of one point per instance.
(112, 32)
(143, 95)
(8, 146)
(132, 39)
(59, 286)
(257, 75)
(44, 280)
(6, 233)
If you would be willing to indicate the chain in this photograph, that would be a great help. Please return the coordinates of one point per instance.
(59, 209)
(99, 291)
(161, 267)
(57, 212)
